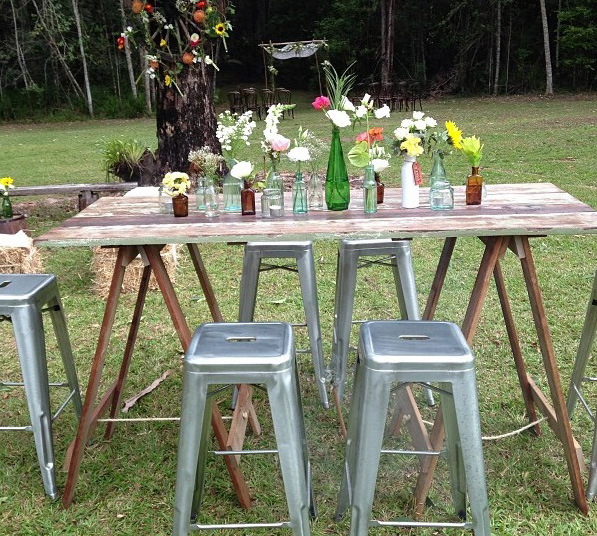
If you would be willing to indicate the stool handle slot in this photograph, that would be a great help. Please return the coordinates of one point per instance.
(414, 337)
(241, 339)
(5, 283)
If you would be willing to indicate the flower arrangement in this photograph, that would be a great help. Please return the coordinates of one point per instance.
(6, 183)
(178, 33)
(206, 162)
(336, 106)
(317, 147)
(273, 143)
(299, 154)
(176, 183)
(441, 141)
(411, 130)
(472, 148)
(242, 170)
(233, 132)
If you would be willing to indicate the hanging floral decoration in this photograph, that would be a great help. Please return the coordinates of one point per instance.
(177, 34)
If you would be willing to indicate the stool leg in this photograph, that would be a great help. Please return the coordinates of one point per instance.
(248, 285)
(29, 334)
(61, 332)
(287, 418)
(469, 431)
(363, 446)
(202, 460)
(592, 485)
(307, 279)
(194, 408)
(343, 308)
(584, 348)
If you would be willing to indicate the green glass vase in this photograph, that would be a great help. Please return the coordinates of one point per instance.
(441, 193)
(6, 207)
(337, 187)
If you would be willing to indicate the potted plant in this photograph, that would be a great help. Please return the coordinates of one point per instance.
(129, 160)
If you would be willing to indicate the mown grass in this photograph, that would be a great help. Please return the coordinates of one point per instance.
(126, 486)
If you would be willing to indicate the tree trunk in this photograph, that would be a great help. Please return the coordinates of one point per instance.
(83, 58)
(498, 47)
(186, 120)
(388, 8)
(27, 80)
(548, 71)
(127, 53)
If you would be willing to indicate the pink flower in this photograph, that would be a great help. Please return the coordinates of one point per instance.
(321, 103)
(362, 136)
(279, 143)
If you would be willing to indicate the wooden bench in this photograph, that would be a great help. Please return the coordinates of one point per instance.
(88, 193)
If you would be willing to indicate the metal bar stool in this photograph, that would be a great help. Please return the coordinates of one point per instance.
(305, 266)
(587, 339)
(394, 253)
(255, 353)
(22, 297)
(404, 351)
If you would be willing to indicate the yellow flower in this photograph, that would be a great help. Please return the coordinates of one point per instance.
(6, 182)
(163, 43)
(220, 29)
(167, 80)
(455, 134)
(412, 146)
(472, 148)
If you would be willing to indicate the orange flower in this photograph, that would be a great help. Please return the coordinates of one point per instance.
(375, 134)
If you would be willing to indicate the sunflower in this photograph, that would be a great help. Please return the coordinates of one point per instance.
(167, 80)
(220, 29)
(455, 134)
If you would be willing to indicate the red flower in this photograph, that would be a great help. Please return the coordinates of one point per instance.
(120, 42)
(375, 134)
(321, 102)
(149, 8)
(201, 5)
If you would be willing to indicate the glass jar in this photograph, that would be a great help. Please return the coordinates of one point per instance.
(274, 181)
(165, 201)
(474, 187)
(369, 190)
(299, 195)
(200, 194)
(212, 209)
(441, 193)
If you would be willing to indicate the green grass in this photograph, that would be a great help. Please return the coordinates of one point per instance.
(126, 486)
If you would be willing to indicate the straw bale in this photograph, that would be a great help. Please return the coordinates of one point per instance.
(18, 255)
(102, 266)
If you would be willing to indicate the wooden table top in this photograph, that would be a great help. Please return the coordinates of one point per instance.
(508, 209)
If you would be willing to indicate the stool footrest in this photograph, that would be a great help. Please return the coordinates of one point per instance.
(280, 525)
(463, 525)
(242, 452)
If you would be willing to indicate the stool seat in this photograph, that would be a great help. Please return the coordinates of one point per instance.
(402, 352)
(22, 301)
(249, 353)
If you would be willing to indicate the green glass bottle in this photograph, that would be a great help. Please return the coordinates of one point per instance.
(6, 207)
(299, 195)
(441, 193)
(337, 187)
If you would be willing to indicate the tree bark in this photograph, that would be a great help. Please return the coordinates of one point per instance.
(83, 58)
(498, 47)
(27, 80)
(548, 70)
(186, 120)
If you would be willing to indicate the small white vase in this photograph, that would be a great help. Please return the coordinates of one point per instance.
(410, 190)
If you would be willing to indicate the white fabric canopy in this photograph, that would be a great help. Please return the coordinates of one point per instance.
(300, 49)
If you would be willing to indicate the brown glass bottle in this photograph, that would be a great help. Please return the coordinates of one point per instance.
(180, 205)
(381, 187)
(247, 200)
(474, 187)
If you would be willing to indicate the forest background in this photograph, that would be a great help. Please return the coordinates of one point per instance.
(59, 58)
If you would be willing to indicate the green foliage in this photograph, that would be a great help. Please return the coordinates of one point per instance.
(122, 157)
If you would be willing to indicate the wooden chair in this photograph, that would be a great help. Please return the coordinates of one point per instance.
(235, 101)
(386, 96)
(284, 96)
(268, 98)
(251, 101)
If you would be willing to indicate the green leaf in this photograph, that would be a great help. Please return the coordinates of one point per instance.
(359, 155)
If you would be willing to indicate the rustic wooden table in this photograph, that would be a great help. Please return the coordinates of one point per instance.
(508, 217)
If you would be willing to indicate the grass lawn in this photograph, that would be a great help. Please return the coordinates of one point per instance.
(126, 485)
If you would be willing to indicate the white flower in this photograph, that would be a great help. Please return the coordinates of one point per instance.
(209, 61)
(242, 169)
(361, 111)
(407, 123)
(339, 117)
(346, 105)
(382, 112)
(299, 154)
(418, 115)
(379, 164)
(420, 124)
(401, 132)
(366, 101)
(430, 122)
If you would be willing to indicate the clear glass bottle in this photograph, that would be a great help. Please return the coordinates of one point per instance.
(231, 188)
(212, 209)
(200, 194)
(274, 181)
(474, 187)
(247, 200)
(299, 195)
(369, 190)
(441, 193)
(315, 191)
(337, 187)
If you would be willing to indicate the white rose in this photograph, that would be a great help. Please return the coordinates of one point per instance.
(418, 115)
(379, 164)
(339, 117)
(242, 170)
(407, 123)
(299, 154)
(346, 105)
(382, 112)
(361, 111)
(420, 124)
(366, 100)
(400, 133)
(431, 122)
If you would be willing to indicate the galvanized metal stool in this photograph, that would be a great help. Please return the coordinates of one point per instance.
(22, 301)
(404, 351)
(255, 252)
(587, 339)
(394, 253)
(255, 353)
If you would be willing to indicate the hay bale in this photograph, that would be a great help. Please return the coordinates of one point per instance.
(102, 265)
(18, 255)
